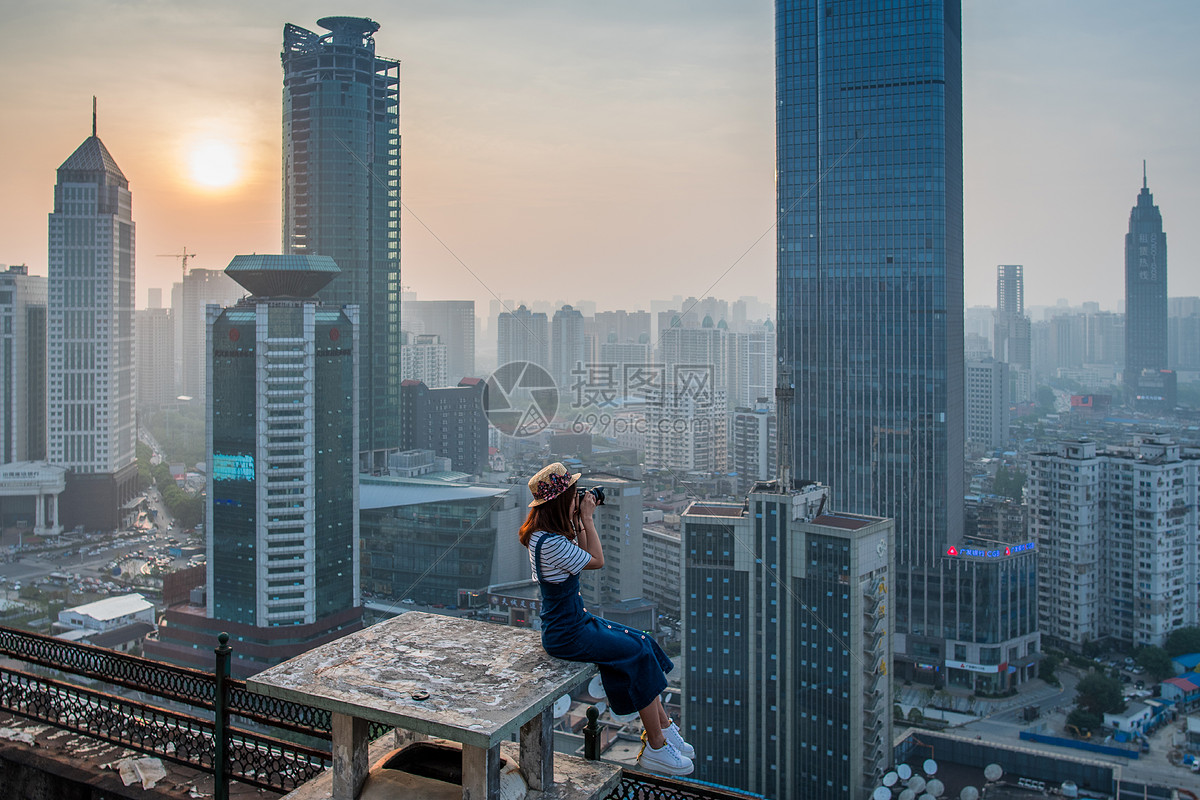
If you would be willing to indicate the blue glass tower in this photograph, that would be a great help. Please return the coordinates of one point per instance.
(870, 265)
(341, 197)
(1146, 302)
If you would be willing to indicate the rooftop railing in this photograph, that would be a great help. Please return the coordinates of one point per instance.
(267, 743)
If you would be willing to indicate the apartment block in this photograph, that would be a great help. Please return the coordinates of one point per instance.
(1117, 531)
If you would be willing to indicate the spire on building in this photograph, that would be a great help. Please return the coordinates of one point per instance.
(93, 116)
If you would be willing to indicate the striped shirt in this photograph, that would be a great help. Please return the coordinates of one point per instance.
(561, 558)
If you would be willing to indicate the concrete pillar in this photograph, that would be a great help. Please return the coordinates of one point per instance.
(39, 514)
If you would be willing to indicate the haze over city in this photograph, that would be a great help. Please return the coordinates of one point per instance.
(834, 525)
(615, 152)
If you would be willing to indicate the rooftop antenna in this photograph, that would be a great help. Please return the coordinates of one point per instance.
(1144, 185)
(94, 120)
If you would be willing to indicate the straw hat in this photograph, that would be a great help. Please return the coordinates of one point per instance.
(550, 482)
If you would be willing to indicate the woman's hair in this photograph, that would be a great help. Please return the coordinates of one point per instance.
(552, 516)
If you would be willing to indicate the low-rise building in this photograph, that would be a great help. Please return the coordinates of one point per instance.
(425, 539)
(1133, 719)
(107, 614)
(1184, 691)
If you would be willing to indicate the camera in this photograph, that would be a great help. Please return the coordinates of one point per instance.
(596, 492)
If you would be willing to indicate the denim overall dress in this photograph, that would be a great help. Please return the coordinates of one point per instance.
(632, 666)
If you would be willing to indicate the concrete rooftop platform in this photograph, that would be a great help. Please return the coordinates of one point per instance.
(479, 682)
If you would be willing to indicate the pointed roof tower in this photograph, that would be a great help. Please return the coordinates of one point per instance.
(91, 162)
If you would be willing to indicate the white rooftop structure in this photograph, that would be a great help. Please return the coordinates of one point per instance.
(111, 612)
(392, 492)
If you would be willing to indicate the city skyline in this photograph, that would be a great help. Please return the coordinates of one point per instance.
(603, 148)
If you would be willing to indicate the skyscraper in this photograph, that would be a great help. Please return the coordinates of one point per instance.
(785, 631)
(454, 322)
(341, 197)
(190, 299)
(448, 420)
(155, 359)
(92, 429)
(870, 270)
(283, 565)
(567, 349)
(22, 366)
(1145, 293)
(523, 335)
(987, 403)
(1011, 326)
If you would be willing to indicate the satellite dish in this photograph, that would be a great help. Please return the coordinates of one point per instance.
(623, 718)
(561, 706)
(928, 796)
(904, 771)
(917, 784)
(908, 794)
(993, 772)
(595, 687)
(935, 788)
(881, 793)
(890, 779)
(929, 767)
(968, 793)
(667, 698)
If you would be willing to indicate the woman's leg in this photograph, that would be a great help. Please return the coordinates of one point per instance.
(664, 720)
(652, 716)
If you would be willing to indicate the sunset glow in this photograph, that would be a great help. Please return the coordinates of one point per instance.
(214, 164)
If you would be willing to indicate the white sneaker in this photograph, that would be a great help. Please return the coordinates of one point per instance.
(666, 760)
(673, 735)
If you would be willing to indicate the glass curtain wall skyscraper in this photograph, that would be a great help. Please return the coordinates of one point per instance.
(1145, 299)
(870, 266)
(341, 197)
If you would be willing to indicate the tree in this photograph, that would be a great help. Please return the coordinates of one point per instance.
(1183, 641)
(143, 461)
(1009, 482)
(1156, 661)
(1047, 667)
(1099, 694)
(1084, 720)
(1045, 398)
(183, 507)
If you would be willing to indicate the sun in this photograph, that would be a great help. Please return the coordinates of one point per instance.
(214, 164)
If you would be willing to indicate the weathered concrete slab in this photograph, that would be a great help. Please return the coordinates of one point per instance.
(483, 681)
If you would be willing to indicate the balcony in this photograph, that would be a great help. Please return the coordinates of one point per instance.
(197, 720)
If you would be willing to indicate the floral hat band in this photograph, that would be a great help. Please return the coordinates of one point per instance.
(550, 482)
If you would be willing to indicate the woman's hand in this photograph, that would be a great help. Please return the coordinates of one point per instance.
(587, 505)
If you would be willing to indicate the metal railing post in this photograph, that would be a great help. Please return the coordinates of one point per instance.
(591, 735)
(221, 720)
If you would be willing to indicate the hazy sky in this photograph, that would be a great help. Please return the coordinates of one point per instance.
(616, 151)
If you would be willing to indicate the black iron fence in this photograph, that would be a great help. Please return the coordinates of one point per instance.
(195, 740)
(189, 739)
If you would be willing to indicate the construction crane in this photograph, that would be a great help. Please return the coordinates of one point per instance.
(184, 256)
